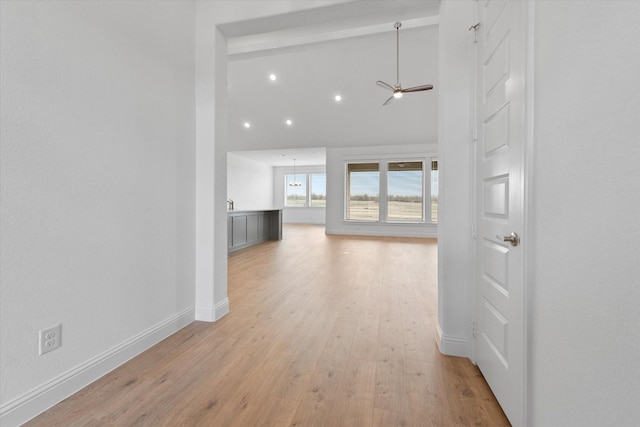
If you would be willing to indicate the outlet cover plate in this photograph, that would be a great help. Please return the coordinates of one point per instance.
(50, 339)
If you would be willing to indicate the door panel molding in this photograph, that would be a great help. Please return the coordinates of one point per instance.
(501, 67)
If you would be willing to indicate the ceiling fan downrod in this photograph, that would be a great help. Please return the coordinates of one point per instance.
(397, 26)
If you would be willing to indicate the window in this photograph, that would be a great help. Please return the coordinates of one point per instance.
(363, 191)
(392, 191)
(295, 190)
(405, 195)
(318, 190)
(304, 190)
(434, 191)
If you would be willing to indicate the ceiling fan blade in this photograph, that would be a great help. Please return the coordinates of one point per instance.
(418, 88)
(388, 100)
(384, 85)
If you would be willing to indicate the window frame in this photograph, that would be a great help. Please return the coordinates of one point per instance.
(306, 183)
(437, 187)
(383, 196)
(347, 193)
(424, 191)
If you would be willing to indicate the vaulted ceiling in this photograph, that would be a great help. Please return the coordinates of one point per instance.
(342, 49)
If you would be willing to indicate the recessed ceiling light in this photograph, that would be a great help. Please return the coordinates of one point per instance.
(288, 122)
(272, 77)
(338, 98)
(247, 125)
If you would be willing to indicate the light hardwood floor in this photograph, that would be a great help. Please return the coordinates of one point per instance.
(323, 331)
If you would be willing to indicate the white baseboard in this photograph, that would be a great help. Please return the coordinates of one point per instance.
(384, 231)
(209, 314)
(453, 346)
(43, 397)
(221, 308)
(303, 221)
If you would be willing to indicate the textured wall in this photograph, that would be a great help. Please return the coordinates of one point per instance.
(584, 290)
(97, 213)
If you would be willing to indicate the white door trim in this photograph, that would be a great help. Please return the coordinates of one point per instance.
(528, 201)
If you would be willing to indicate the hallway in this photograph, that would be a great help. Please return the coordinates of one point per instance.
(323, 331)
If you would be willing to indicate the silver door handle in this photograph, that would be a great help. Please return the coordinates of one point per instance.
(511, 238)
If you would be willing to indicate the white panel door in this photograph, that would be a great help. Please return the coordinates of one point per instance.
(499, 312)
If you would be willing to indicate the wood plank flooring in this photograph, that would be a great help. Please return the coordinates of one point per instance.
(323, 331)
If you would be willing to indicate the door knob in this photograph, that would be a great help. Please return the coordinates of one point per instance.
(511, 238)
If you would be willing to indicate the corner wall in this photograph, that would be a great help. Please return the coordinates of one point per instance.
(97, 187)
(455, 262)
(210, 88)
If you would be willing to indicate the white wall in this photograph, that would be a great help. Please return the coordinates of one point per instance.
(455, 263)
(336, 159)
(306, 215)
(584, 291)
(211, 164)
(97, 173)
(249, 183)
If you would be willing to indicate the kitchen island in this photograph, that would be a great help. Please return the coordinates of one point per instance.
(247, 228)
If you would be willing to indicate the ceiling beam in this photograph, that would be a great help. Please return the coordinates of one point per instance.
(240, 46)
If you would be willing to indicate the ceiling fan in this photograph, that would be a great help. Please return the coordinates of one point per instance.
(397, 89)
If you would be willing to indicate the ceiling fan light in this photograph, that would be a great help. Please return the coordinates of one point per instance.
(397, 94)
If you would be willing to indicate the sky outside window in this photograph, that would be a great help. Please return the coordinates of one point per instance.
(318, 190)
(364, 191)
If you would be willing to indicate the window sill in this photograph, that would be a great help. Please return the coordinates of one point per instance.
(384, 223)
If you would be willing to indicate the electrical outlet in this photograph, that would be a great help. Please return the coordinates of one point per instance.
(50, 339)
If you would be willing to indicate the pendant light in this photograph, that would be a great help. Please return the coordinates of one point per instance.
(295, 183)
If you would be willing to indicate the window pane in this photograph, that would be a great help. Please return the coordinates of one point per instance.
(363, 190)
(319, 190)
(434, 191)
(405, 191)
(296, 190)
